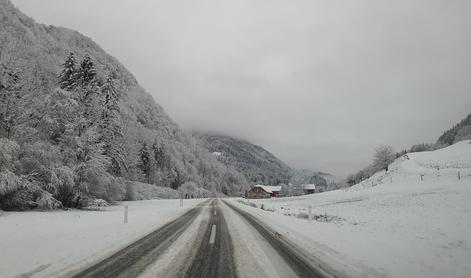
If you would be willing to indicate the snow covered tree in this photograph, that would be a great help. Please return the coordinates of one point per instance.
(110, 127)
(384, 155)
(159, 156)
(68, 76)
(86, 73)
(144, 161)
(10, 96)
(88, 93)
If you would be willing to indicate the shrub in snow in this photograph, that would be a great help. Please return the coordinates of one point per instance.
(47, 201)
(14, 192)
(144, 191)
(328, 218)
(264, 207)
(93, 204)
(302, 215)
(254, 205)
(63, 184)
(9, 182)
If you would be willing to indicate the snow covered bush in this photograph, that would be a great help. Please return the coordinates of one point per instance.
(9, 182)
(302, 215)
(9, 151)
(15, 192)
(63, 185)
(144, 191)
(47, 201)
(93, 204)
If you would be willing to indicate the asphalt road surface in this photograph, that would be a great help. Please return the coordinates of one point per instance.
(199, 244)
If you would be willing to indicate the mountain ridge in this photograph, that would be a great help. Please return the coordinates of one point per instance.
(153, 147)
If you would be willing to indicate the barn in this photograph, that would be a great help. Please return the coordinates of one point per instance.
(309, 188)
(259, 191)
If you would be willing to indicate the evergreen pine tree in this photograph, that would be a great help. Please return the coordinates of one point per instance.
(10, 96)
(67, 78)
(86, 72)
(88, 93)
(111, 132)
(144, 161)
(158, 155)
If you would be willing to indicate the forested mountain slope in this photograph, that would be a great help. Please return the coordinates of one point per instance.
(257, 164)
(76, 125)
(460, 132)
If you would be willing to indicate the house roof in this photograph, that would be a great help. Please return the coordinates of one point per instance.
(268, 188)
(309, 186)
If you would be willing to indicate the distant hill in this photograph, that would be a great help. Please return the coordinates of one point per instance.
(259, 165)
(256, 163)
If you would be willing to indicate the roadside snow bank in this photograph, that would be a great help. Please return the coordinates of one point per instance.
(402, 226)
(47, 244)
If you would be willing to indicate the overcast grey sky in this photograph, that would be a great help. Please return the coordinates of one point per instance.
(318, 83)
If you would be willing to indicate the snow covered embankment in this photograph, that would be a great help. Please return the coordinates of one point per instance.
(51, 243)
(413, 221)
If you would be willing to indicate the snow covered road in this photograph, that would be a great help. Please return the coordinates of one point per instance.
(201, 243)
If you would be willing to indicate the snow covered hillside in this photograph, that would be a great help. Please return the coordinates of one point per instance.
(413, 221)
(55, 242)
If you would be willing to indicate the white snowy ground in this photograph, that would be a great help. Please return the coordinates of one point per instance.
(392, 224)
(47, 244)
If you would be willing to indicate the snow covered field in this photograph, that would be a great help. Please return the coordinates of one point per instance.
(393, 224)
(50, 243)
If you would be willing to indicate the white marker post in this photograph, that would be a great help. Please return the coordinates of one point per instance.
(125, 214)
(310, 212)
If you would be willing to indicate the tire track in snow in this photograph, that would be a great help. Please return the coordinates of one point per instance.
(293, 257)
(215, 256)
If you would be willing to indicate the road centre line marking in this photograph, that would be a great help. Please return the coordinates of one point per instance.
(212, 237)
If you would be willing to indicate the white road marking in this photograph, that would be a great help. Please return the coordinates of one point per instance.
(212, 237)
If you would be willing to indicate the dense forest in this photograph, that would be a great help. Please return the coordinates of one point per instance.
(75, 126)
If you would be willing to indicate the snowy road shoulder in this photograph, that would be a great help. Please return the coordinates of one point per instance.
(52, 243)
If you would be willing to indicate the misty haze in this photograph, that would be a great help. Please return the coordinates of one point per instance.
(235, 138)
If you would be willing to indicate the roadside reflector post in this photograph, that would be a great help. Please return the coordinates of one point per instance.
(310, 212)
(125, 214)
(459, 175)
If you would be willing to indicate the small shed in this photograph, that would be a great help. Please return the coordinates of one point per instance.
(309, 188)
